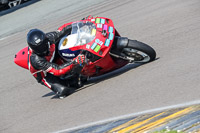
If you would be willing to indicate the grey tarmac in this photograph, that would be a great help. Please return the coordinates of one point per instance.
(171, 27)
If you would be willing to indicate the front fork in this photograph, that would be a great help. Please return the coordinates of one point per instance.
(118, 45)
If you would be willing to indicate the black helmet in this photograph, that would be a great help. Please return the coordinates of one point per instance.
(38, 42)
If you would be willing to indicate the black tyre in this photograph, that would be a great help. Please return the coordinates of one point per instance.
(139, 52)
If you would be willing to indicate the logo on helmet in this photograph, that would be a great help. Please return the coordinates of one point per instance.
(38, 40)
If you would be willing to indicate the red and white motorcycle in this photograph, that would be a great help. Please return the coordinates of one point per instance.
(104, 48)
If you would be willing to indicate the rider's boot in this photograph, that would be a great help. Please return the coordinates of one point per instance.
(62, 91)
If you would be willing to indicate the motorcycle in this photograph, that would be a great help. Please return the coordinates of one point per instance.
(105, 50)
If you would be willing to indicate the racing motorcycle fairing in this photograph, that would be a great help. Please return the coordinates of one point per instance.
(21, 58)
(95, 35)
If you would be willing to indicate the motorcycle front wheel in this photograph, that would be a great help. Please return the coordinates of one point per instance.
(139, 52)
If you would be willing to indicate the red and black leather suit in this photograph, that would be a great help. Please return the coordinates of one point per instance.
(42, 67)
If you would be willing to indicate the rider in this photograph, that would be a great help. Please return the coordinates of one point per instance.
(42, 51)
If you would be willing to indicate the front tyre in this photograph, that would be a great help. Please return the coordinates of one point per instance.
(137, 51)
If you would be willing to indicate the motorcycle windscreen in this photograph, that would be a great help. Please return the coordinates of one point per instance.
(65, 45)
(81, 34)
(21, 58)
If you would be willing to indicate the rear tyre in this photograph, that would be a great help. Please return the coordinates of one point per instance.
(139, 52)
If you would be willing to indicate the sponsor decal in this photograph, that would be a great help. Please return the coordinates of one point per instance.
(97, 48)
(99, 42)
(103, 21)
(111, 35)
(93, 46)
(97, 20)
(110, 29)
(68, 55)
(94, 32)
(100, 20)
(107, 42)
(105, 27)
(64, 42)
(99, 25)
(88, 46)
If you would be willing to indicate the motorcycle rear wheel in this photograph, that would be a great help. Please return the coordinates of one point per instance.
(139, 52)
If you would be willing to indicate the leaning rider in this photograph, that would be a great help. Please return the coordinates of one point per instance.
(42, 51)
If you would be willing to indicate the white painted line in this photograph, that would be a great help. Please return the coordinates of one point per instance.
(130, 115)
(2, 38)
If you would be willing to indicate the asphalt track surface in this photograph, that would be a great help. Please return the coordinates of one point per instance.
(171, 27)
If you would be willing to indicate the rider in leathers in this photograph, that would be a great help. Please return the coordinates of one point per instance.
(42, 51)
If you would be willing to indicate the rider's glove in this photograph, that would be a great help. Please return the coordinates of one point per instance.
(79, 60)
